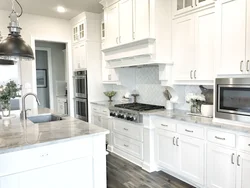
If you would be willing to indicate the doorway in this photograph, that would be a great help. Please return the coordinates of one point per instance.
(51, 75)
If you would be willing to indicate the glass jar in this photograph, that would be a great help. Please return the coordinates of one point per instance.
(195, 108)
(5, 105)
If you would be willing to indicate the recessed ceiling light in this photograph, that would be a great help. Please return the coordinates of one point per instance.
(61, 9)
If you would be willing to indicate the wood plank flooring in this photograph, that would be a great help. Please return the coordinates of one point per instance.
(124, 174)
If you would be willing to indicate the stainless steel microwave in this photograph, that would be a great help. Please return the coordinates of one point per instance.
(233, 99)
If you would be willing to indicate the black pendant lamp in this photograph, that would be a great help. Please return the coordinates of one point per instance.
(14, 48)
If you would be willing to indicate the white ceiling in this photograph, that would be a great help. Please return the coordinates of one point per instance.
(48, 7)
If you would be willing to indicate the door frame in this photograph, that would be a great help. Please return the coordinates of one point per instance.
(50, 75)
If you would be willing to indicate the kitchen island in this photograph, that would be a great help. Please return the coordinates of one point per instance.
(65, 153)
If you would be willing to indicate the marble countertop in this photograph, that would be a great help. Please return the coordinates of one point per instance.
(24, 134)
(182, 115)
(107, 103)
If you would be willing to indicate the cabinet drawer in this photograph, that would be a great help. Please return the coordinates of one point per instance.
(104, 111)
(244, 143)
(95, 109)
(164, 123)
(128, 129)
(189, 130)
(128, 145)
(227, 139)
(29, 159)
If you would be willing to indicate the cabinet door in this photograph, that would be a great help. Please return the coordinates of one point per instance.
(75, 33)
(182, 6)
(106, 125)
(82, 56)
(126, 21)
(141, 19)
(96, 120)
(205, 44)
(166, 149)
(221, 168)
(232, 39)
(191, 158)
(243, 170)
(76, 57)
(248, 39)
(184, 48)
(201, 3)
(112, 16)
(81, 31)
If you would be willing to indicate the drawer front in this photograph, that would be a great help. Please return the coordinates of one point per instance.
(29, 159)
(226, 139)
(128, 129)
(104, 111)
(164, 123)
(197, 132)
(128, 145)
(244, 143)
(95, 109)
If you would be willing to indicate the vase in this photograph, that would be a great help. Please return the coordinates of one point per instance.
(195, 108)
(110, 99)
(5, 105)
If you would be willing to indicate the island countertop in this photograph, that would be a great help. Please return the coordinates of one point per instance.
(24, 134)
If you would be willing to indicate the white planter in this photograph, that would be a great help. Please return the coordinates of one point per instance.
(207, 110)
(169, 105)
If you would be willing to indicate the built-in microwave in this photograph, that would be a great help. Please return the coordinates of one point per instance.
(233, 99)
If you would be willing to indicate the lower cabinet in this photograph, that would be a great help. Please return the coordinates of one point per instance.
(227, 168)
(181, 154)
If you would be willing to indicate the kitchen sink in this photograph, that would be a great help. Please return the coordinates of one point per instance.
(45, 118)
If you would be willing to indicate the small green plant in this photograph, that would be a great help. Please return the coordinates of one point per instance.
(9, 91)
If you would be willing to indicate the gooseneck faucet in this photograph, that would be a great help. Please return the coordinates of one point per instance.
(24, 111)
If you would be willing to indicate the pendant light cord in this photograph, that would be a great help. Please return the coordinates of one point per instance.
(13, 7)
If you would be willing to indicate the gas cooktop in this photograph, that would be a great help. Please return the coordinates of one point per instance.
(131, 111)
(139, 106)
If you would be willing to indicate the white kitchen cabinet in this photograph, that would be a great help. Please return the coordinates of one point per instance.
(194, 47)
(232, 36)
(108, 75)
(79, 56)
(112, 25)
(243, 170)
(186, 6)
(184, 48)
(166, 150)
(141, 17)
(221, 167)
(126, 21)
(79, 32)
(62, 105)
(191, 158)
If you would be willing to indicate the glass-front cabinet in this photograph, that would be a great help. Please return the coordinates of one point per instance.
(182, 6)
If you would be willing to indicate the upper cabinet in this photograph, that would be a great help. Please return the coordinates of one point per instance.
(124, 23)
(79, 31)
(194, 47)
(186, 6)
(233, 36)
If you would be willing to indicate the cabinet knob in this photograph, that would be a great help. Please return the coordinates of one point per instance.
(247, 66)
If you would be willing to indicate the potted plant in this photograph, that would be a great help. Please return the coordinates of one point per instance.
(196, 101)
(8, 92)
(110, 94)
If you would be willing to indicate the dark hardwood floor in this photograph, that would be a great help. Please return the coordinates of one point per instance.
(124, 174)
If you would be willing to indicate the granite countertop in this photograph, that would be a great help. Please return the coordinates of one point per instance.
(24, 134)
(182, 115)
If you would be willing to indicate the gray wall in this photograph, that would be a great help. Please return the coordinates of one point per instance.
(42, 63)
(58, 64)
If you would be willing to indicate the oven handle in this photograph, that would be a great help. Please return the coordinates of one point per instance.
(81, 100)
(79, 77)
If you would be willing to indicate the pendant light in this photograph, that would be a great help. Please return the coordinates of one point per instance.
(3, 61)
(14, 48)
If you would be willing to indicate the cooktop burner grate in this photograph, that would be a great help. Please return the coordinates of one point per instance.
(139, 106)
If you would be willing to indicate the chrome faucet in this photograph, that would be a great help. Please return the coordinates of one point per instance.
(24, 111)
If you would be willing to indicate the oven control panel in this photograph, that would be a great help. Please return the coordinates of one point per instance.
(126, 115)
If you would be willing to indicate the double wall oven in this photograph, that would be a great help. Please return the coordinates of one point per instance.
(81, 95)
(233, 99)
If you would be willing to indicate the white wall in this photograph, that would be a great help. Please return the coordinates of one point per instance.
(38, 28)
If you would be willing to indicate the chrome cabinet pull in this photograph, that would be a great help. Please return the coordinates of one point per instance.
(174, 141)
(177, 142)
(189, 131)
(126, 145)
(249, 145)
(232, 158)
(247, 66)
(195, 74)
(191, 73)
(219, 138)
(116, 40)
(164, 125)
(238, 160)
(241, 63)
(195, 3)
(125, 129)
